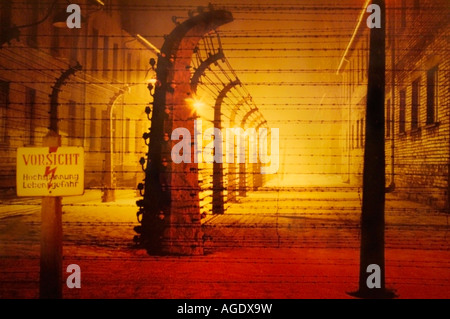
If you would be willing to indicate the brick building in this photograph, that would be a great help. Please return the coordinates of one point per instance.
(417, 101)
(109, 92)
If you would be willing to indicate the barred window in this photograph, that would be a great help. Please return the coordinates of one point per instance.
(4, 99)
(402, 115)
(93, 130)
(94, 50)
(30, 113)
(415, 104)
(105, 56)
(432, 95)
(388, 118)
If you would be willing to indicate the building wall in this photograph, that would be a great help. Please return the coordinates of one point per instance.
(417, 147)
(421, 149)
(110, 59)
(354, 93)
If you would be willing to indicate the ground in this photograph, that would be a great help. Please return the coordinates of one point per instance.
(285, 243)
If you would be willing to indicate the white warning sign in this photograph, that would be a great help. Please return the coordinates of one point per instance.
(50, 171)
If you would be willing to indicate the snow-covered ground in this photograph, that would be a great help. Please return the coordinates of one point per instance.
(293, 243)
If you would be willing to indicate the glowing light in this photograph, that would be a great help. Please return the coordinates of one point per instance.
(196, 103)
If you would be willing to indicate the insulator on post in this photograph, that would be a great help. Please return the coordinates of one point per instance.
(166, 112)
(138, 229)
(142, 162)
(140, 203)
(139, 214)
(152, 63)
(166, 137)
(148, 111)
(146, 136)
(140, 187)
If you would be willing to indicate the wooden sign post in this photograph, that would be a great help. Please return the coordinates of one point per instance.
(51, 171)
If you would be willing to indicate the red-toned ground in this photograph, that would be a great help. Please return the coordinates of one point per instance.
(291, 244)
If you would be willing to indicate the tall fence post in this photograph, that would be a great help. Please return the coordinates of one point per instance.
(373, 203)
(51, 237)
(217, 201)
(51, 212)
(170, 208)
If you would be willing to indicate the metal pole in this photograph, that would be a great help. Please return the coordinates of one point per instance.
(372, 216)
(51, 238)
(391, 187)
(233, 180)
(242, 166)
(51, 211)
(217, 201)
(170, 208)
(109, 192)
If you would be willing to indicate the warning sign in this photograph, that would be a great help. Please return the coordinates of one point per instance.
(50, 171)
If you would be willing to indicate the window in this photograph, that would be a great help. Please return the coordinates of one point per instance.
(129, 71)
(4, 100)
(366, 57)
(72, 131)
(357, 134)
(74, 48)
(108, 6)
(115, 133)
(105, 56)
(352, 70)
(94, 51)
(105, 131)
(361, 135)
(138, 133)
(415, 102)
(54, 49)
(5, 15)
(402, 115)
(34, 17)
(93, 129)
(403, 14)
(388, 118)
(352, 137)
(138, 75)
(115, 61)
(30, 113)
(80, 124)
(361, 65)
(127, 135)
(432, 95)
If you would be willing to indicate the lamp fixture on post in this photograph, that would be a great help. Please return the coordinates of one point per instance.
(14, 31)
(59, 21)
(60, 18)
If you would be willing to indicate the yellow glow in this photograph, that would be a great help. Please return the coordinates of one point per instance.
(196, 103)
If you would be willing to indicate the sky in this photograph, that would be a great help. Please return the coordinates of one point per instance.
(286, 54)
